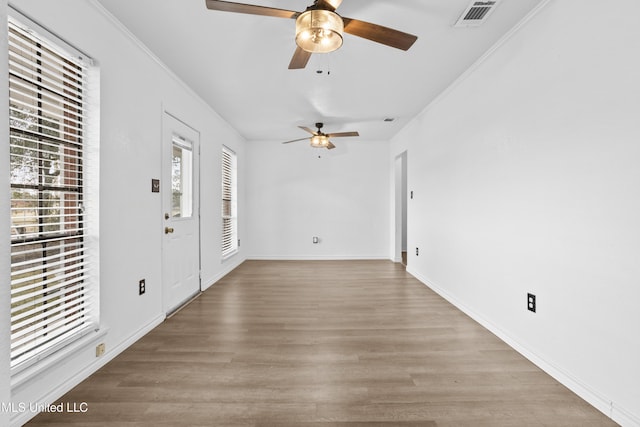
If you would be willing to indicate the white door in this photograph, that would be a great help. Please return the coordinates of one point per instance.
(180, 227)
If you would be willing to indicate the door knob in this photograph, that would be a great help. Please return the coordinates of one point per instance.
(168, 230)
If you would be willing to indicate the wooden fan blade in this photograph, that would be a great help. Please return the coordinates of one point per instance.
(307, 129)
(299, 59)
(330, 146)
(251, 9)
(295, 140)
(339, 134)
(379, 34)
(329, 4)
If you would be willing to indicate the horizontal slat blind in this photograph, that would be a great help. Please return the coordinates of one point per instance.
(229, 231)
(49, 296)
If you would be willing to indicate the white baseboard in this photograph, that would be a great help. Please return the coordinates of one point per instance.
(623, 417)
(317, 258)
(230, 265)
(594, 398)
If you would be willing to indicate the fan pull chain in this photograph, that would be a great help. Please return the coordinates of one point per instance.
(328, 66)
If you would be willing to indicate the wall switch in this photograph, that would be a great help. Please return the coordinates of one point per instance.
(316, 240)
(100, 348)
(531, 302)
(142, 287)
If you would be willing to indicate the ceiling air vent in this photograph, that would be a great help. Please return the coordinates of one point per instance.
(476, 13)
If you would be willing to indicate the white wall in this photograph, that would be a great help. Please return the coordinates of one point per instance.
(295, 192)
(135, 89)
(525, 177)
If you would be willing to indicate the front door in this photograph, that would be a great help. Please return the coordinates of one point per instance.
(180, 226)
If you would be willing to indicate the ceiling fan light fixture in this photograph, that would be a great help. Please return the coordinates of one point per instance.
(320, 141)
(319, 31)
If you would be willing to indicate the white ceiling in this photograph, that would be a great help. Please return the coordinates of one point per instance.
(238, 63)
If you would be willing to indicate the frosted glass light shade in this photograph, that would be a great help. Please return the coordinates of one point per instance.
(319, 141)
(319, 31)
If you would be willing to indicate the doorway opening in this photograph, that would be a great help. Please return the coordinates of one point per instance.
(400, 253)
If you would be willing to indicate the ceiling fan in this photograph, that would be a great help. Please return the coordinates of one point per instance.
(320, 139)
(319, 28)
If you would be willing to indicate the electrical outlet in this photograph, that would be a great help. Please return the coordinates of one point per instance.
(417, 251)
(100, 348)
(142, 287)
(531, 302)
(411, 194)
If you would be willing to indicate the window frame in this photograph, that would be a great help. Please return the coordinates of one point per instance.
(229, 202)
(74, 145)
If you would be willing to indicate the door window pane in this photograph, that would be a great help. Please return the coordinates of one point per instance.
(182, 178)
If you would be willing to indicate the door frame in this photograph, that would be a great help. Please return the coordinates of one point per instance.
(401, 206)
(167, 132)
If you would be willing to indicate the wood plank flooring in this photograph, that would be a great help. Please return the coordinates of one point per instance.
(322, 343)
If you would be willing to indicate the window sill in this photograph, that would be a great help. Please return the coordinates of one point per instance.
(230, 255)
(24, 374)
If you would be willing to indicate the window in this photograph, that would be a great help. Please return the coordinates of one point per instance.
(52, 296)
(181, 178)
(229, 203)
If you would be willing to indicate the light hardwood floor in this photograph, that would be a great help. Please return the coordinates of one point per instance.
(322, 343)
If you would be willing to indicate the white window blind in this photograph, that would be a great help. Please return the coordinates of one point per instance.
(50, 297)
(229, 203)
